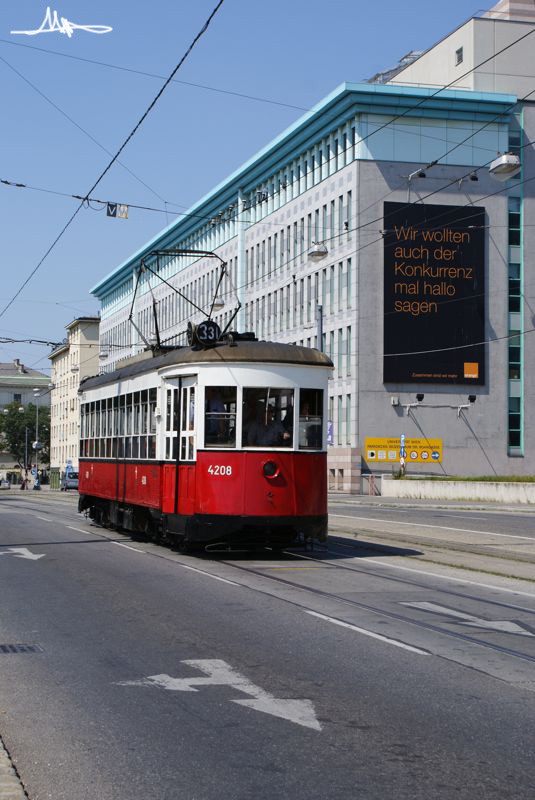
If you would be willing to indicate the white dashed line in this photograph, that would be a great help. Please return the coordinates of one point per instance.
(369, 633)
(135, 549)
(207, 574)
(443, 527)
(451, 578)
(82, 530)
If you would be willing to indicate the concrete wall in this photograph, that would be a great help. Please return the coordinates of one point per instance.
(460, 490)
(437, 66)
(511, 71)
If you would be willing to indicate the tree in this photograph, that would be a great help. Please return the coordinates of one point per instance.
(13, 427)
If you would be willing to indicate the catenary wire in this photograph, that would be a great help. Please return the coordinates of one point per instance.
(400, 115)
(117, 154)
(327, 160)
(170, 78)
(80, 128)
(158, 77)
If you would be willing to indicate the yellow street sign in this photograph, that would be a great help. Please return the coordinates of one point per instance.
(385, 450)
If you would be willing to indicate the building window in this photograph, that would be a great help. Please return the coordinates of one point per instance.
(458, 56)
(514, 221)
(514, 288)
(17, 398)
(515, 356)
(514, 422)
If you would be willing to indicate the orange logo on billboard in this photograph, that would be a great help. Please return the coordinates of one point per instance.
(471, 369)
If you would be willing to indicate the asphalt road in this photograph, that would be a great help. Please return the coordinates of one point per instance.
(342, 672)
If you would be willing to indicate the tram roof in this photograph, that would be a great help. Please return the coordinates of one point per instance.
(223, 353)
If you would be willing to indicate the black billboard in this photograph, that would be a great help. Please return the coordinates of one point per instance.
(434, 294)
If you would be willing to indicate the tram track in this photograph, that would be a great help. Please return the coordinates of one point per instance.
(315, 592)
(388, 614)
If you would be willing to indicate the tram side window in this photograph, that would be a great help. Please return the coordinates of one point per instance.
(220, 416)
(81, 451)
(310, 419)
(268, 416)
(120, 427)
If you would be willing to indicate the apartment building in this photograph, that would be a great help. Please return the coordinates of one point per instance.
(73, 360)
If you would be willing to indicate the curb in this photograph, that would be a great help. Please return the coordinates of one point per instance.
(10, 786)
(413, 503)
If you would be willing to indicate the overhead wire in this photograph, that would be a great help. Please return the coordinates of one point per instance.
(78, 126)
(155, 75)
(352, 252)
(117, 154)
(392, 121)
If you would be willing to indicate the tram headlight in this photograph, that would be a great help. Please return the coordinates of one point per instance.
(270, 469)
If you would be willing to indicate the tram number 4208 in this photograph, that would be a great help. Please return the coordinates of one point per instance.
(220, 469)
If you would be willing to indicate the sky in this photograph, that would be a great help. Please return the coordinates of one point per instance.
(63, 117)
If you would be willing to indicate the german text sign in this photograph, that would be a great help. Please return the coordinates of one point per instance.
(387, 450)
(434, 284)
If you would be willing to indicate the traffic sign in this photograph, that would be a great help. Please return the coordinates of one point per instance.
(118, 210)
(391, 450)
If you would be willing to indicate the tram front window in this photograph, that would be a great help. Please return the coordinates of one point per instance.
(310, 419)
(220, 416)
(268, 417)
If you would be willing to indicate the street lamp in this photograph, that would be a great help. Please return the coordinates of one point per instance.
(318, 251)
(506, 166)
(36, 444)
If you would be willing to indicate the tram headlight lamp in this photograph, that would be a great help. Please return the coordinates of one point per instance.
(270, 469)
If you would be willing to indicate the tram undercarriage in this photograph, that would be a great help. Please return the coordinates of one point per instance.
(210, 532)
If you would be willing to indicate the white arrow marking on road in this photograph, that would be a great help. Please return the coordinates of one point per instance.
(219, 673)
(469, 619)
(21, 552)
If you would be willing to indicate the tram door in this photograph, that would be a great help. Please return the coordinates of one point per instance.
(180, 445)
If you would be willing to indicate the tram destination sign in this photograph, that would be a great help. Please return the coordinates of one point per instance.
(434, 294)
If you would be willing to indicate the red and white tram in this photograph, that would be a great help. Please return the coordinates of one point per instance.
(217, 447)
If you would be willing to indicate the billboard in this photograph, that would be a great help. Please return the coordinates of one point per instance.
(434, 294)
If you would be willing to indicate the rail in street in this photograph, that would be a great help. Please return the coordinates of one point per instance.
(138, 671)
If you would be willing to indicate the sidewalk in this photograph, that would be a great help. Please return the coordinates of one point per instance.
(10, 785)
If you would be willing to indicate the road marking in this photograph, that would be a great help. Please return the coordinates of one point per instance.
(394, 642)
(443, 527)
(503, 626)
(287, 568)
(135, 549)
(21, 552)
(219, 673)
(45, 519)
(83, 530)
(208, 574)
(446, 577)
